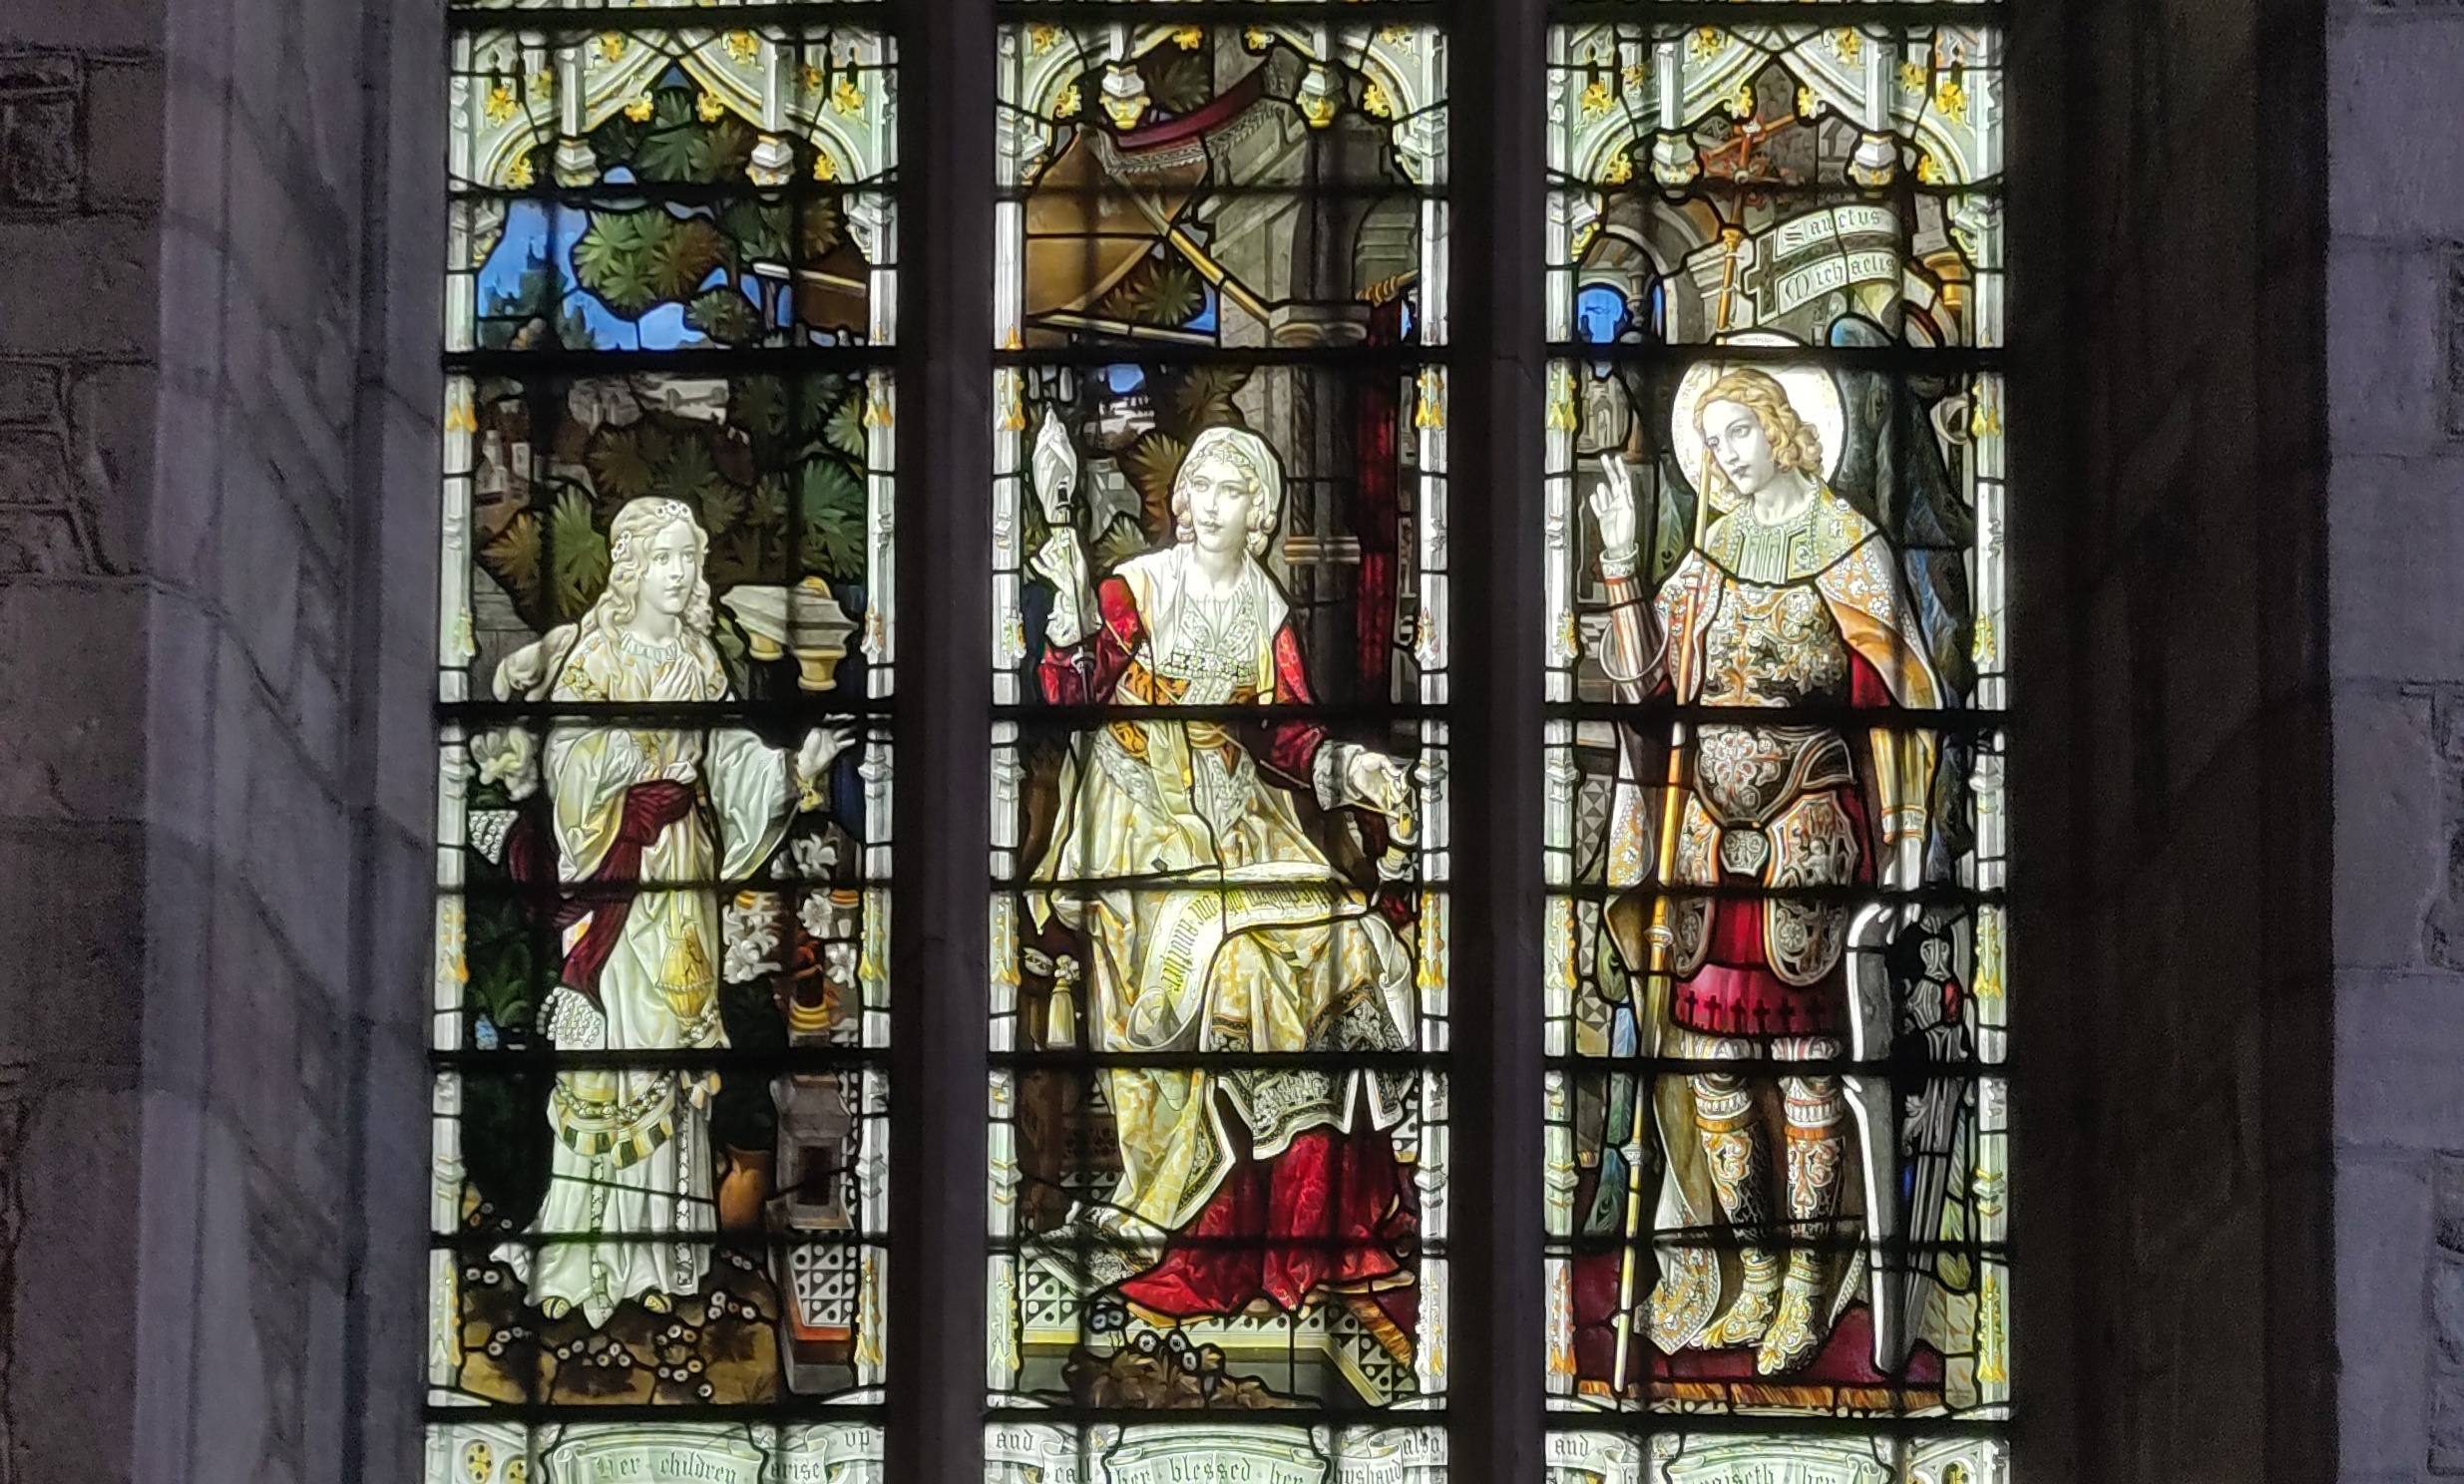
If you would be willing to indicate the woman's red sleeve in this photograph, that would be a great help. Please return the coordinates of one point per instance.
(1083, 674)
(1292, 745)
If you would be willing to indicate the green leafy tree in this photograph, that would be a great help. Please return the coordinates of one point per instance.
(1180, 82)
(844, 429)
(832, 513)
(639, 258)
(724, 315)
(1164, 292)
(1152, 464)
(690, 473)
(675, 145)
(521, 319)
(514, 556)
(576, 554)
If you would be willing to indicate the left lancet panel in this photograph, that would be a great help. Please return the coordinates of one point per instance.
(695, 189)
(667, 649)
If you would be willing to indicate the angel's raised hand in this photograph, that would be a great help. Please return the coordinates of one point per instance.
(1612, 505)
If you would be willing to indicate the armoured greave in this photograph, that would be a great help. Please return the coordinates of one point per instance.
(1817, 1150)
(1733, 1148)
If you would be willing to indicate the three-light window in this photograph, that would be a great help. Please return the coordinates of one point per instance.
(1220, 1003)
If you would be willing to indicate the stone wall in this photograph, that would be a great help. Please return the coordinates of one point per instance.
(80, 208)
(217, 499)
(2396, 502)
(287, 787)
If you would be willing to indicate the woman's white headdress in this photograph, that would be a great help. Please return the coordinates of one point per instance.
(1254, 457)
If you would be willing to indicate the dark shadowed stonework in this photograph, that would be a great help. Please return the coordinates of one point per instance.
(81, 108)
(2172, 885)
(2238, 252)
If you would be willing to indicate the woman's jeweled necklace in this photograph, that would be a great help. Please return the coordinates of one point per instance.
(1216, 639)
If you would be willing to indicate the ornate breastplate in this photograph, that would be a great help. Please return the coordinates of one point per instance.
(1766, 798)
(1745, 775)
(1773, 647)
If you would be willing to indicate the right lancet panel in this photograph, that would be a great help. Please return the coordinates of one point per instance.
(1775, 998)
(1828, 185)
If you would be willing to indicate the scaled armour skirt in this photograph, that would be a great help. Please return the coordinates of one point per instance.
(1735, 993)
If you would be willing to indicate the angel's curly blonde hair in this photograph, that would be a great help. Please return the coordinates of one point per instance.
(1794, 443)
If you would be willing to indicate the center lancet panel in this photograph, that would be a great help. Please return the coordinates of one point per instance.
(1219, 911)
(658, 1234)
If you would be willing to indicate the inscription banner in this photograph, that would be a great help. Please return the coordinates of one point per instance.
(665, 1456)
(1214, 1455)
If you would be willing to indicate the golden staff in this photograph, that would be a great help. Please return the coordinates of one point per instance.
(1662, 940)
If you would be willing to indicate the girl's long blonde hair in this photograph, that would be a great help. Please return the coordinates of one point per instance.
(639, 524)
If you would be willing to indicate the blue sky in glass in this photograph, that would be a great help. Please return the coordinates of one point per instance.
(1599, 313)
(536, 233)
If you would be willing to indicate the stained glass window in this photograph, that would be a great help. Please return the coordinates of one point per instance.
(1221, 886)
(1219, 916)
(661, 979)
(1773, 998)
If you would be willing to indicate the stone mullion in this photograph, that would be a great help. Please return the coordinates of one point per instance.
(941, 822)
(1499, 80)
